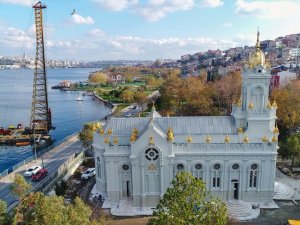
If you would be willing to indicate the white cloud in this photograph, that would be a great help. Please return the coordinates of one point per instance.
(212, 3)
(78, 19)
(157, 9)
(95, 33)
(115, 5)
(227, 24)
(16, 38)
(268, 9)
(20, 2)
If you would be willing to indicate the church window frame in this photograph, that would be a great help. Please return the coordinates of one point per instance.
(253, 175)
(151, 154)
(197, 170)
(216, 176)
(179, 167)
(98, 167)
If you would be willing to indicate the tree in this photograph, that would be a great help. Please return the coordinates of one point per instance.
(98, 78)
(86, 134)
(20, 186)
(127, 95)
(61, 188)
(140, 97)
(227, 90)
(291, 148)
(187, 202)
(288, 102)
(4, 217)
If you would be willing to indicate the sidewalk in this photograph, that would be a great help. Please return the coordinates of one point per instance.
(291, 182)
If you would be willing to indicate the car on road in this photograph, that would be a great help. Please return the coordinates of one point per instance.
(32, 170)
(88, 173)
(128, 114)
(42, 173)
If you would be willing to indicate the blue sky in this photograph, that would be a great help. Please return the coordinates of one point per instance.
(143, 29)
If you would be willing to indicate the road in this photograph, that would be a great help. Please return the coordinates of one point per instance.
(52, 161)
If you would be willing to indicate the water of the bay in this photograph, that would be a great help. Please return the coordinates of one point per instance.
(68, 115)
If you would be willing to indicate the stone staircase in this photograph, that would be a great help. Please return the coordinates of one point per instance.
(125, 208)
(240, 210)
(282, 191)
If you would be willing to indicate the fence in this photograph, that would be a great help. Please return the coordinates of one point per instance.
(39, 153)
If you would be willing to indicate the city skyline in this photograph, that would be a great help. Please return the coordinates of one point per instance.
(143, 30)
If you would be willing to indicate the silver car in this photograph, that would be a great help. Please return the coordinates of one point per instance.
(31, 171)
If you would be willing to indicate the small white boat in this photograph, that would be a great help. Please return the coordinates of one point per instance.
(79, 99)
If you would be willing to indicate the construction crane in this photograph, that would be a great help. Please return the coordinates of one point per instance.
(40, 120)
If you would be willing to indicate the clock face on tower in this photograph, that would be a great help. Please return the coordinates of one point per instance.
(151, 154)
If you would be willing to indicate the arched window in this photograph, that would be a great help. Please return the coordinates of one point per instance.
(151, 154)
(216, 176)
(197, 171)
(253, 176)
(179, 167)
(98, 167)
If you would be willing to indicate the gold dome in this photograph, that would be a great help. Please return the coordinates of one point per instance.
(170, 135)
(251, 106)
(116, 141)
(101, 131)
(246, 139)
(132, 138)
(208, 139)
(151, 141)
(274, 105)
(227, 139)
(189, 139)
(274, 139)
(239, 103)
(106, 140)
(240, 130)
(135, 131)
(109, 131)
(257, 57)
(265, 139)
(276, 130)
(269, 106)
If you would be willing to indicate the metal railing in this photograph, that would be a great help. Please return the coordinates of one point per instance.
(39, 153)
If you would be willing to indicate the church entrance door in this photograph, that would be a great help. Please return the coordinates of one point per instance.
(234, 192)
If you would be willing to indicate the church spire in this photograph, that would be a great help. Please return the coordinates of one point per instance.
(257, 45)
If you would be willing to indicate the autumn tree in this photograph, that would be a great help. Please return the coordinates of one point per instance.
(86, 134)
(127, 95)
(140, 97)
(98, 78)
(288, 101)
(227, 90)
(187, 202)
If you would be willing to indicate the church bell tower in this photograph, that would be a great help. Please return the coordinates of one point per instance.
(254, 113)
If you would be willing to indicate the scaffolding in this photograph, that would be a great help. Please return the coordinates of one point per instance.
(40, 120)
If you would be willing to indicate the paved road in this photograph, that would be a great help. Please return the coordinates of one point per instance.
(52, 161)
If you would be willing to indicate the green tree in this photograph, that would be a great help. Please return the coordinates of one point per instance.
(4, 217)
(86, 134)
(187, 202)
(61, 188)
(20, 186)
(291, 148)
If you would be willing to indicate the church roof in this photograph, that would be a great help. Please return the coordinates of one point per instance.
(180, 125)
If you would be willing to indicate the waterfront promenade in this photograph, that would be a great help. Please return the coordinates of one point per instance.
(52, 161)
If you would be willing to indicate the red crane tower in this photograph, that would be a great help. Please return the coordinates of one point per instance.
(40, 120)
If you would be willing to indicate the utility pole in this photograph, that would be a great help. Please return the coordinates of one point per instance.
(40, 120)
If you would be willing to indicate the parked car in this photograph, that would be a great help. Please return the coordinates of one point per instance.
(40, 174)
(31, 171)
(88, 173)
(128, 115)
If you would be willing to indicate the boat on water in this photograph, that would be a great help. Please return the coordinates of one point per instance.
(64, 85)
(79, 99)
(23, 143)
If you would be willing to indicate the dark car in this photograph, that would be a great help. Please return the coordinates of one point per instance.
(39, 174)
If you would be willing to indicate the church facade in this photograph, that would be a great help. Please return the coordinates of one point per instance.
(235, 155)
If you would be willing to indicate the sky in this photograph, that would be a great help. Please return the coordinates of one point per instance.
(142, 29)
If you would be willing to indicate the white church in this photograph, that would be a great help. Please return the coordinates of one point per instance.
(137, 158)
